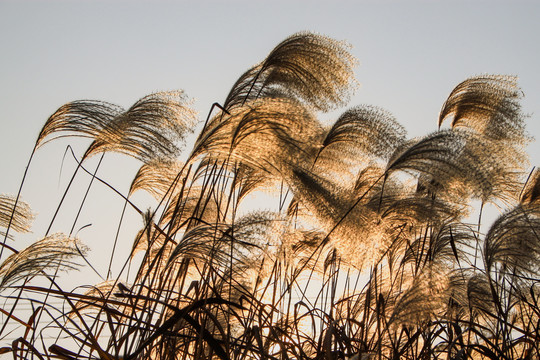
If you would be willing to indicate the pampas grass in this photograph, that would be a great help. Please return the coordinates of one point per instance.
(367, 253)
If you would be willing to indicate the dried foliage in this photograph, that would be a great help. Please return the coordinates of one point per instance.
(314, 68)
(488, 104)
(152, 128)
(16, 214)
(53, 252)
(83, 118)
(357, 246)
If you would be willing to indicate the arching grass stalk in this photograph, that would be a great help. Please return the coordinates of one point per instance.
(8, 228)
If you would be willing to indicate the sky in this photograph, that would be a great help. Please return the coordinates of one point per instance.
(411, 54)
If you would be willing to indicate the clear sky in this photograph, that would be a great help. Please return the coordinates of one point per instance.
(411, 55)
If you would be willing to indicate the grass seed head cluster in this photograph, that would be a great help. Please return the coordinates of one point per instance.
(366, 252)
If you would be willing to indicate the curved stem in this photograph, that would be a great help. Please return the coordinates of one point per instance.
(478, 232)
(17, 200)
(116, 239)
(86, 194)
(79, 165)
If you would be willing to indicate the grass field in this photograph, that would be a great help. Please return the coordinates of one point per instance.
(367, 251)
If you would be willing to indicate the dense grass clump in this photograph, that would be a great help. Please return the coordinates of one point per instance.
(368, 253)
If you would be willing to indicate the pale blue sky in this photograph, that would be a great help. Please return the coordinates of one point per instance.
(411, 54)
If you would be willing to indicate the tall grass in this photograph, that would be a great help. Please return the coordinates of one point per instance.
(368, 253)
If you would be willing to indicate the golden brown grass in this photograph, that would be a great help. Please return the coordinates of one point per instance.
(367, 253)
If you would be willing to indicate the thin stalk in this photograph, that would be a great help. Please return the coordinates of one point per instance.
(17, 199)
(477, 237)
(86, 194)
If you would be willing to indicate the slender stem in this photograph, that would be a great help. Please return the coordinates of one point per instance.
(86, 194)
(477, 245)
(116, 239)
(79, 164)
(17, 199)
